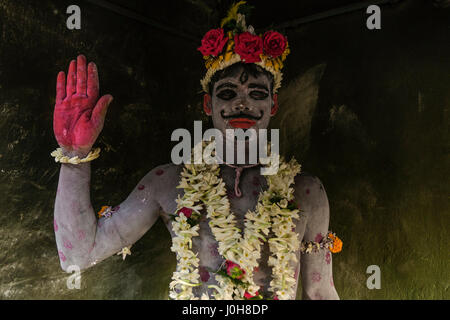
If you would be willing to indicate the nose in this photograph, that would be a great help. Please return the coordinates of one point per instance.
(240, 105)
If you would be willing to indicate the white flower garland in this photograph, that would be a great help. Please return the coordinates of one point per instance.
(202, 184)
(285, 244)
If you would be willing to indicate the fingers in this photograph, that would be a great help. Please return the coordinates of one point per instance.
(92, 81)
(98, 115)
(60, 87)
(71, 79)
(81, 75)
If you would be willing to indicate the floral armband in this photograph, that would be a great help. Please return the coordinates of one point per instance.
(330, 242)
(107, 211)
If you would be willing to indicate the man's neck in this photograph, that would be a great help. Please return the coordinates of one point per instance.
(238, 157)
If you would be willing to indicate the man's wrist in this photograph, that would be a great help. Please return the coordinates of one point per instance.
(75, 153)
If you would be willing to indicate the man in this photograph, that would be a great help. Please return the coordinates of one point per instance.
(239, 95)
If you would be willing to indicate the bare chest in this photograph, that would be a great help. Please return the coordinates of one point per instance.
(251, 184)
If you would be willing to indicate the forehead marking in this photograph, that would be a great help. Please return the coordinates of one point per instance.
(244, 77)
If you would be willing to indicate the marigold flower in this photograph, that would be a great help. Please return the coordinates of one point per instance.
(102, 210)
(336, 245)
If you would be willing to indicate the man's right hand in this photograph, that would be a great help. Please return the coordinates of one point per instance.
(79, 115)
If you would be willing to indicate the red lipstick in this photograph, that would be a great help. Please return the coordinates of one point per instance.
(243, 123)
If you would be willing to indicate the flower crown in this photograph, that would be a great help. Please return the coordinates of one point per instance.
(235, 42)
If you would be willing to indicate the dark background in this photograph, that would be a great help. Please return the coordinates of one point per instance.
(367, 111)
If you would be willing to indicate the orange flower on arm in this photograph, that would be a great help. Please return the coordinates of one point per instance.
(103, 209)
(337, 243)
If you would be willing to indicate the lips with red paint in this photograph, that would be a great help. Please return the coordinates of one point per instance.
(243, 123)
(242, 120)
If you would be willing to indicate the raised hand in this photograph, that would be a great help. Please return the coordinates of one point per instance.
(79, 115)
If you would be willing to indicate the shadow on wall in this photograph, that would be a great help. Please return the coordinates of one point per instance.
(298, 101)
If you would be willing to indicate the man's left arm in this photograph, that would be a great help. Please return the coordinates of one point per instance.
(315, 268)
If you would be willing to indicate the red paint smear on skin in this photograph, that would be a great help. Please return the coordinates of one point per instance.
(316, 277)
(242, 123)
(62, 256)
(81, 235)
(204, 274)
(213, 250)
(67, 245)
(159, 172)
(318, 238)
(55, 225)
(328, 257)
(141, 187)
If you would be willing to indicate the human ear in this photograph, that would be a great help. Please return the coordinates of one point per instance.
(207, 104)
(274, 109)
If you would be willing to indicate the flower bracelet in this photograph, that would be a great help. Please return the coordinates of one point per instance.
(60, 157)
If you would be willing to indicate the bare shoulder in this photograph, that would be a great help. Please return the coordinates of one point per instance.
(308, 183)
(160, 185)
(162, 176)
(311, 197)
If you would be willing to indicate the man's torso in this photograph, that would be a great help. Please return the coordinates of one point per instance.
(251, 184)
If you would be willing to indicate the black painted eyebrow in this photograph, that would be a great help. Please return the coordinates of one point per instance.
(226, 85)
(258, 86)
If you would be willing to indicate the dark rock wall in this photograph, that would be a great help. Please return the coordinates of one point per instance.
(366, 111)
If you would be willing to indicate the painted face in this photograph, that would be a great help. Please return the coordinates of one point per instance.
(242, 101)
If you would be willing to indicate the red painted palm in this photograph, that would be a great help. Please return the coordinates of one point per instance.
(79, 115)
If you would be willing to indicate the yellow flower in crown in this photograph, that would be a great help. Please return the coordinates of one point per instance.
(234, 42)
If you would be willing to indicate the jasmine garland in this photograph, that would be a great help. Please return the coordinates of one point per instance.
(274, 212)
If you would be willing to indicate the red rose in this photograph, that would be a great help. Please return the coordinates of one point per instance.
(248, 46)
(274, 43)
(213, 42)
(186, 211)
(249, 296)
(234, 270)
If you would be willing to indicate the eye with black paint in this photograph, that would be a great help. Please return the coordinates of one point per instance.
(226, 94)
(258, 95)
